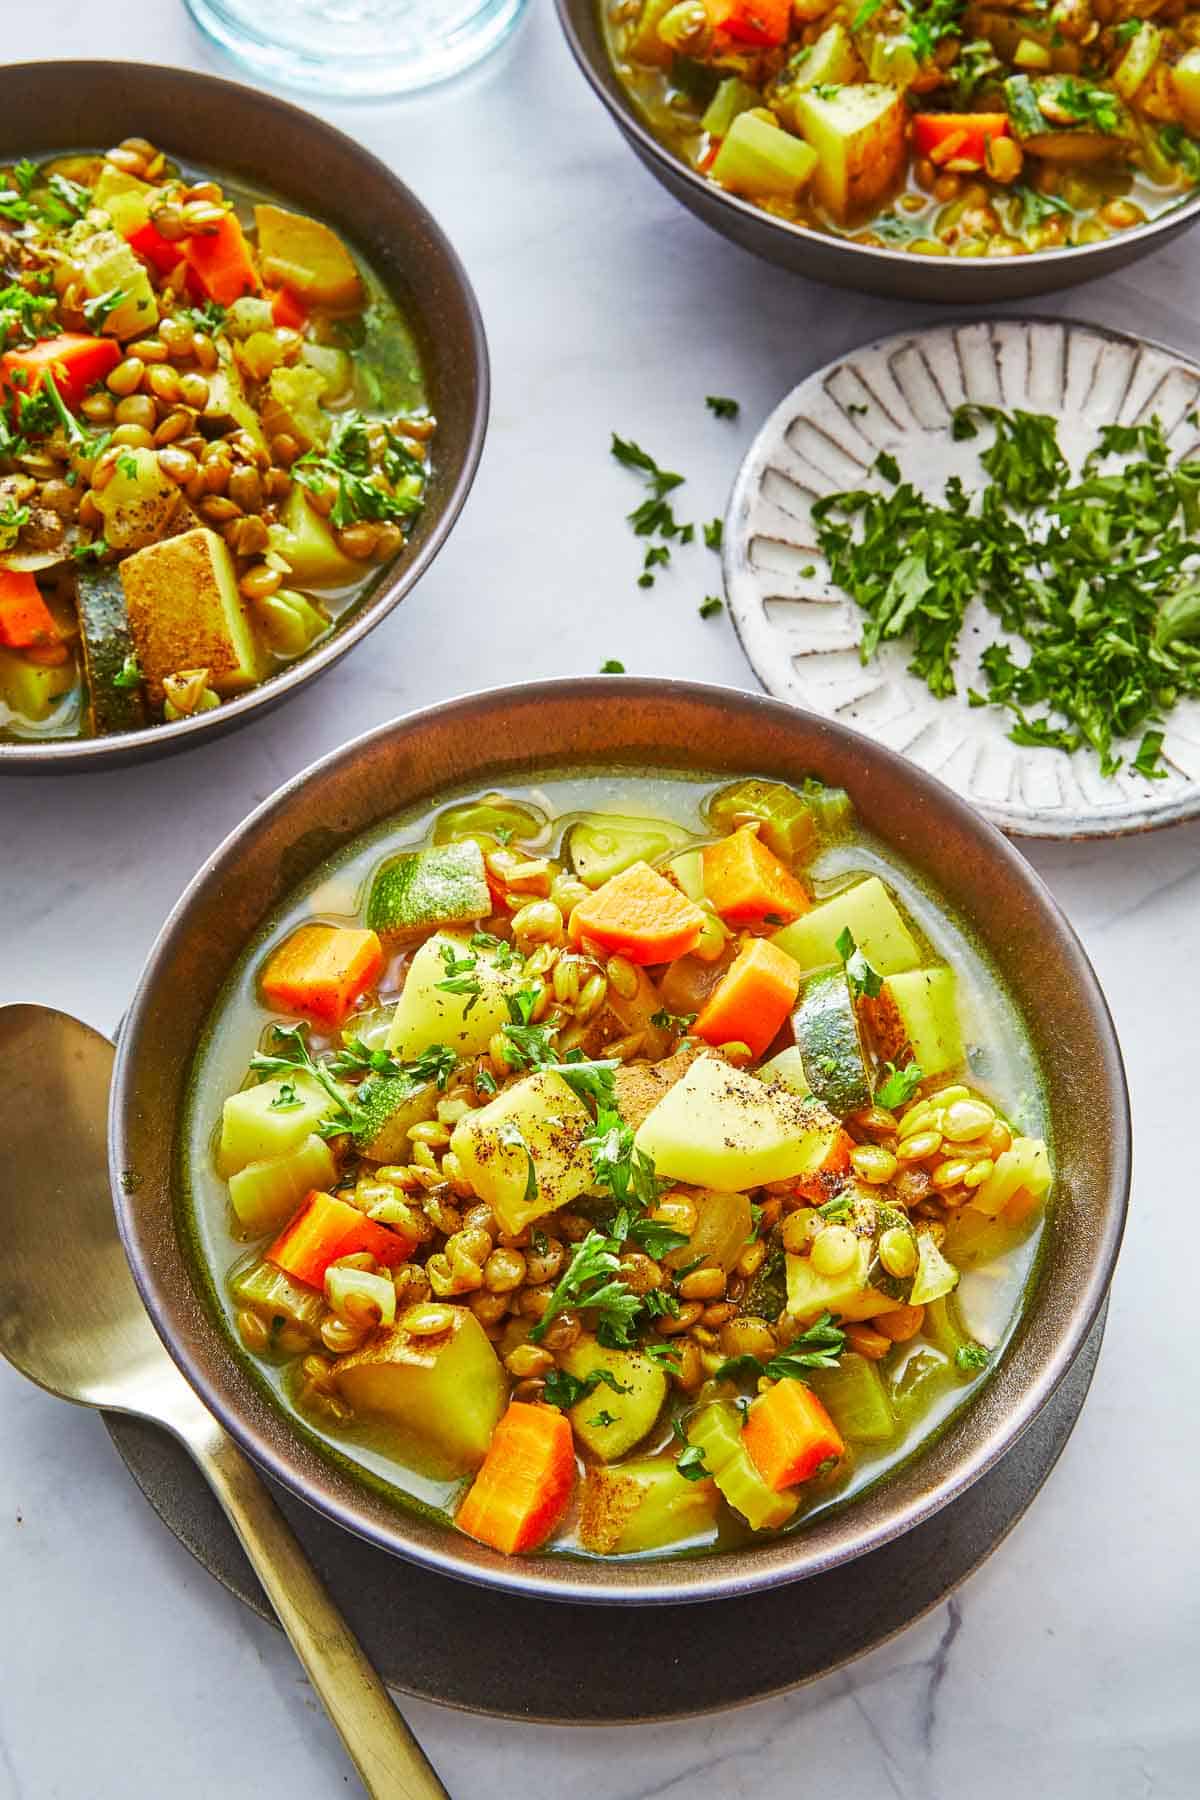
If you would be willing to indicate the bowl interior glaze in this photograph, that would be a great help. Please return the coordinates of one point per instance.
(896, 274)
(48, 108)
(633, 724)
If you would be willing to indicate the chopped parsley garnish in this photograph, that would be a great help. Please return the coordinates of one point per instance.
(931, 22)
(669, 1021)
(1127, 30)
(862, 976)
(818, 1347)
(210, 317)
(722, 406)
(293, 1053)
(129, 675)
(975, 66)
(1037, 208)
(714, 534)
(90, 552)
(510, 1133)
(621, 1170)
(972, 1356)
(837, 1208)
(287, 1099)
(690, 1462)
(128, 466)
(371, 483)
(461, 977)
(612, 667)
(1095, 572)
(656, 1237)
(710, 606)
(603, 1417)
(1094, 108)
(1182, 149)
(657, 556)
(24, 315)
(898, 1085)
(566, 1390)
(97, 310)
(592, 1279)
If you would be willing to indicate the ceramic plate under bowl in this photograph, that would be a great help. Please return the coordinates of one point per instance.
(802, 634)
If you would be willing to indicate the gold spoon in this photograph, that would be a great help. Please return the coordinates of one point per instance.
(72, 1320)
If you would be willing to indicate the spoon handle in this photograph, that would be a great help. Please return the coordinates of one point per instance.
(389, 1759)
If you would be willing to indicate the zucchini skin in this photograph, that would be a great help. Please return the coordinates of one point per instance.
(826, 1028)
(107, 646)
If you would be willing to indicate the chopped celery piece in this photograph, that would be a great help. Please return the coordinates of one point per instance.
(763, 161)
(785, 818)
(263, 1289)
(716, 1430)
(731, 98)
(855, 1397)
(1137, 64)
(495, 816)
(603, 844)
(919, 1378)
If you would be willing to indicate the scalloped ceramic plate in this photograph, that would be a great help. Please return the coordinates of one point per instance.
(802, 634)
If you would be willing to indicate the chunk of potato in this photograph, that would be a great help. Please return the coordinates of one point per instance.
(523, 1153)
(308, 547)
(1185, 80)
(631, 1412)
(108, 265)
(255, 1124)
(125, 198)
(292, 405)
(185, 612)
(426, 1014)
(645, 1505)
(265, 1194)
(847, 1295)
(445, 1391)
(722, 1128)
(140, 504)
(858, 135)
(306, 256)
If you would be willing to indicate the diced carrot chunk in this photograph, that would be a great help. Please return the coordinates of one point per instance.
(326, 1228)
(788, 1434)
(757, 22)
(75, 361)
(221, 263)
(286, 309)
(163, 254)
(942, 136)
(640, 914)
(321, 970)
(748, 884)
(25, 619)
(524, 1486)
(753, 999)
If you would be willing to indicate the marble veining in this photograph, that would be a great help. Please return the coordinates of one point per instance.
(1067, 1668)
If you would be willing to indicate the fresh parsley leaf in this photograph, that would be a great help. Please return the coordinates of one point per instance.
(592, 1279)
(656, 1237)
(1182, 149)
(509, 1132)
(710, 606)
(898, 1085)
(714, 534)
(378, 480)
(128, 466)
(632, 456)
(837, 1208)
(293, 1053)
(690, 1462)
(90, 552)
(866, 13)
(287, 1099)
(1096, 108)
(1036, 207)
(603, 1418)
(97, 310)
(461, 976)
(1146, 762)
(721, 406)
(888, 467)
(612, 667)
(818, 1347)
(566, 1390)
(863, 978)
(969, 1357)
(129, 675)
(669, 1021)
(621, 1170)
(1125, 32)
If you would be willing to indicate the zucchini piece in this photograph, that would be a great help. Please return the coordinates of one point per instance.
(859, 136)
(632, 1412)
(763, 161)
(185, 612)
(1041, 109)
(645, 1505)
(265, 1194)
(914, 1018)
(872, 917)
(523, 1153)
(113, 705)
(428, 1013)
(263, 1289)
(443, 885)
(786, 822)
(269, 1120)
(33, 690)
(856, 1399)
(716, 1429)
(448, 1390)
(390, 1109)
(731, 98)
(719, 1127)
(830, 1043)
(934, 1277)
(603, 844)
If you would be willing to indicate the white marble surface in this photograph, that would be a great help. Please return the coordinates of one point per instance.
(124, 1670)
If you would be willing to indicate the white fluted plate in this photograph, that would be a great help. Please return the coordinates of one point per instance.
(802, 634)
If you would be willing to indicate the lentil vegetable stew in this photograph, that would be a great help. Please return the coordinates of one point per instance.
(213, 430)
(943, 127)
(621, 1181)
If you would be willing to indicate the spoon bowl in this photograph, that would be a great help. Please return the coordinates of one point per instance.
(72, 1320)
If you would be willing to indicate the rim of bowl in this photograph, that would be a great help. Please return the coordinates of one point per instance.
(21, 757)
(623, 110)
(664, 1580)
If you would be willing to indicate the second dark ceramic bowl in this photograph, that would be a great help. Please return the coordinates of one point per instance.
(628, 726)
(56, 107)
(896, 274)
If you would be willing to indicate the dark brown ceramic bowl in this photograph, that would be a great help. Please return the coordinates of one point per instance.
(629, 725)
(896, 274)
(62, 106)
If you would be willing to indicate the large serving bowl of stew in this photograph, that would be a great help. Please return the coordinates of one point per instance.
(936, 151)
(243, 392)
(620, 1139)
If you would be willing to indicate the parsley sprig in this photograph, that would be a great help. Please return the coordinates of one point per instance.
(371, 483)
(818, 1347)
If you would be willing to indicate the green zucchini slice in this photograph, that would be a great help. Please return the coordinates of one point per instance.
(443, 885)
(826, 1028)
(114, 703)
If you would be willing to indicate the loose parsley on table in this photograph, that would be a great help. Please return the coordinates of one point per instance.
(722, 406)
(1096, 576)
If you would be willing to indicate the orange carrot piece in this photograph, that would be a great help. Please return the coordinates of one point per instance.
(220, 262)
(748, 884)
(754, 998)
(326, 1228)
(820, 1183)
(762, 23)
(163, 254)
(946, 137)
(524, 1485)
(788, 1434)
(25, 620)
(286, 309)
(321, 970)
(640, 914)
(76, 361)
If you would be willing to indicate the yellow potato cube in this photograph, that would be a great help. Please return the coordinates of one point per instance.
(858, 135)
(523, 1153)
(185, 612)
(308, 257)
(721, 1128)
